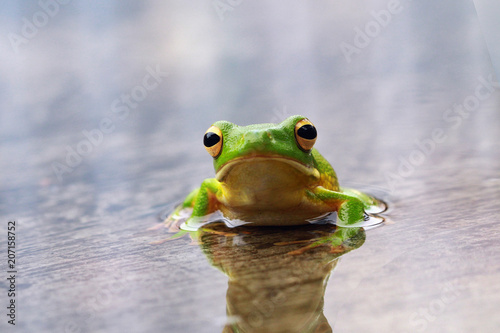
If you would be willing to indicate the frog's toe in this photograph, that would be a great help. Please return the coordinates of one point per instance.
(174, 220)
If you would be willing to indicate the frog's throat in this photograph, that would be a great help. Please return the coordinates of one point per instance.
(304, 169)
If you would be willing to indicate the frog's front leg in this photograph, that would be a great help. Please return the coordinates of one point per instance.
(178, 212)
(204, 201)
(350, 209)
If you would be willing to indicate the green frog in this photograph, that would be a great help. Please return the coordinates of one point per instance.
(271, 175)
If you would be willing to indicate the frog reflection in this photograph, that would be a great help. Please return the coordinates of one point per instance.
(277, 277)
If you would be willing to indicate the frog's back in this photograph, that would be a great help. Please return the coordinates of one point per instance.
(328, 178)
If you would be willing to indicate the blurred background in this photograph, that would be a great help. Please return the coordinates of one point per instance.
(103, 105)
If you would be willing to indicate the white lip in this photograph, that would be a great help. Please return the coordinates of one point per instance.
(310, 171)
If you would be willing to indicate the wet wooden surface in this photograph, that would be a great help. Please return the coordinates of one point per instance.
(410, 117)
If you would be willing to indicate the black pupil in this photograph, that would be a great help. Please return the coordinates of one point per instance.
(210, 139)
(307, 132)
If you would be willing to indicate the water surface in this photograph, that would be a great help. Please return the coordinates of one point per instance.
(102, 114)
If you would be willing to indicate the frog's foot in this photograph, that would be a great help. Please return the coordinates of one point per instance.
(176, 218)
(351, 212)
(172, 223)
(371, 204)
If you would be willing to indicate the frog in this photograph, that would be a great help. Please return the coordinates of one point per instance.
(271, 174)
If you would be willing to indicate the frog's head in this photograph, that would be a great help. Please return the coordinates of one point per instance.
(288, 143)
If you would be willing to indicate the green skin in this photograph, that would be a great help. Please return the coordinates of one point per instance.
(263, 176)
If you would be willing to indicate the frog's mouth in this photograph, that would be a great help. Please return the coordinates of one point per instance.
(271, 161)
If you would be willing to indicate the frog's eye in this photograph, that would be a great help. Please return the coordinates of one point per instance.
(213, 141)
(305, 134)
